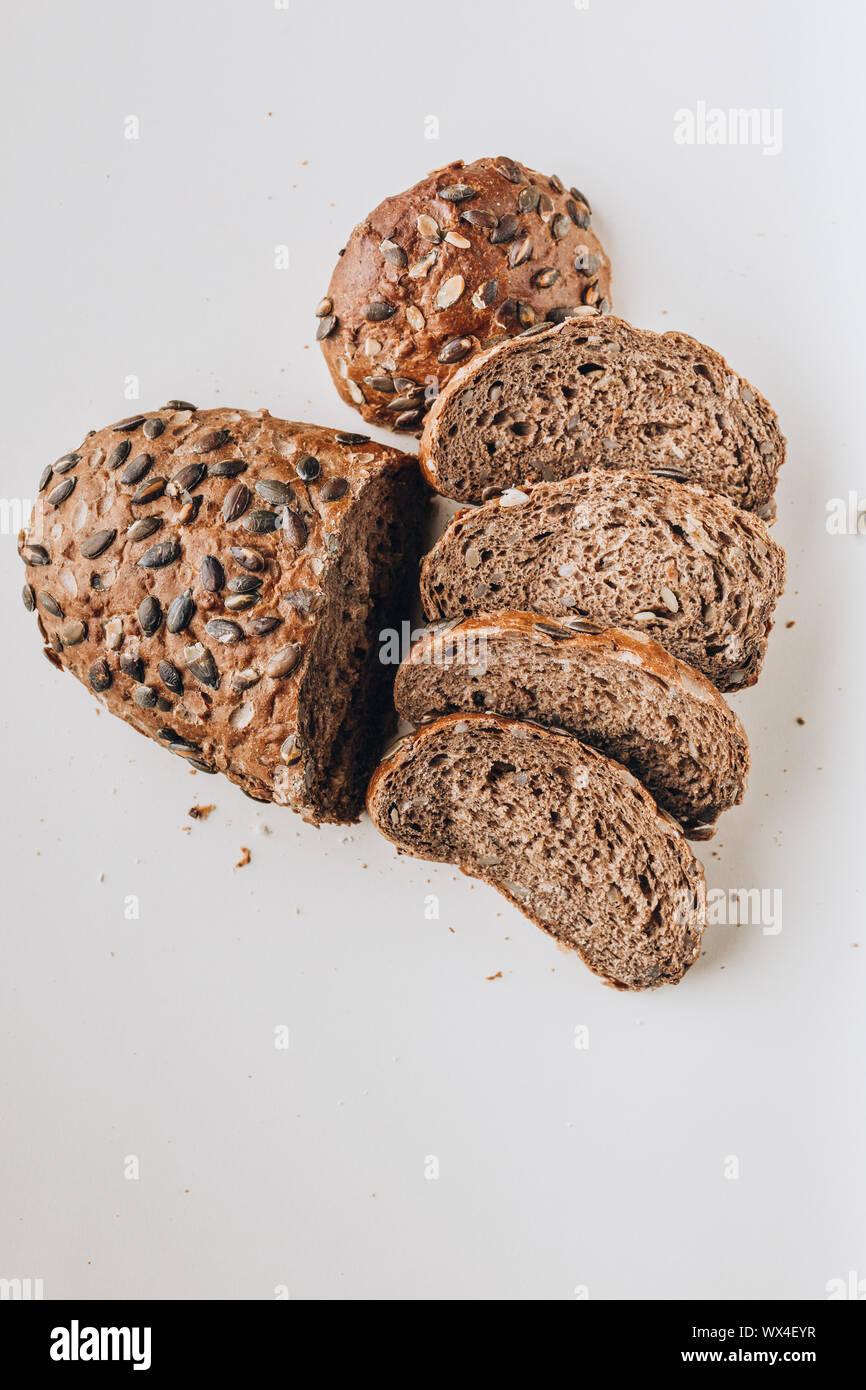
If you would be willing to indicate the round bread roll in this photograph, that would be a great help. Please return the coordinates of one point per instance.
(472, 254)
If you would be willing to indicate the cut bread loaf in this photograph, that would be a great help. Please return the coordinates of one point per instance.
(620, 548)
(620, 692)
(220, 578)
(596, 392)
(472, 253)
(564, 833)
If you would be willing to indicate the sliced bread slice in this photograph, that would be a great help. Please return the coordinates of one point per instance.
(564, 833)
(626, 549)
(620, 692)
(594, 391)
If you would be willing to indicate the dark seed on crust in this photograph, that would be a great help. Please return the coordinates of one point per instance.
(260, 522)
(505, 230)
(407, 419)
(29, 597)
(544, 278)
(61, 492)
(188, 478)
(99, 676)
(305, 601)
(559, 313)
(294, 529)
(49, 603)
(68, 461)
(560, 634)
(527, 198)
(326, 326)
(180, 405)
(227, 468)
(239, 603)
(560, 226)
(604, 306)
(520, 250)
(454, 350)
(676, 474)
(479, 217)
(202, 666)
(260, 627)
(580, 198)
(384, 384)
(283, 662)
(53, 658)
(393, 254)
(214, 439)
(508, 169)
(272, 490)
(308, 468)
(488, 292)
(149, 615)
(158, 556)
(170, 677)
(140, 530)
(153, 428)
(180, 612)
(73, 633)
(132, 666)
(579, 215)
(119, 454)
(525, 315)
(224, 630)
(136, 469)
(163, 704)
(131, 423)
(213, 575)
(45, 476)
(237, 499)
(249, 559)
(458, 193)
(56, 644)
(245, 584)
(586, 263)
(324, 307)
(345, 437)
(35, 555)
(149, 491)
(97, 543)
(333, 489)
(144, 696)
(556, 182)
(378, 310)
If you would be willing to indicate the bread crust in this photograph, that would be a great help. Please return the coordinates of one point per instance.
(234, 709)
(742, 462)
(416, 274)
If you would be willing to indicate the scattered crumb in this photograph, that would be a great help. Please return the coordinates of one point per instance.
(200, 812)
(497, 976)
(790, 623)
(800, 720)
(244, 859)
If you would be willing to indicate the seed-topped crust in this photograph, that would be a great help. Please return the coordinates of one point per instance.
(470, 254)
(198, 612)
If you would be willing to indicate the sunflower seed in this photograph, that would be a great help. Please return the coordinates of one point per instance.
(61, 492)
(227, 468)
(294, 529)
(132, 666)
(333, 489)
(560, 634)
(97, 543)
(560, 227)
(346, 437)
(393, 254)
(289, 751)
(479, 217)
(99, 676)
(236, 501)
(245, 584)
(407, 419)
(201, 665)
(149, 491)
(585, 262)
(283, 662)
(378, 310)
(408, 402)
(520, 250)
(380, 383)
(180, 405)
(170, 677)
(604, 306)
(527, 198)
(260, 627)
(455, 239)
(457, 193)
(355, 392)
(239, 603)
(73, 633)
(153, 428)
(224, 630)
(450, 292)
(214, 439)
(485, 294)
(454, 350)
(187, 479)
(324, 307)
(428, 227)
(305, 601)
(119, 454)
(508, 169)
(136, 469)
(131, 423)
(308, 468)
(545, 207)
(422, 266)
(149, 615)
(249, 559)
(180, 612)
(158, 556)
(212, 574)
(29, 597)
(243, 680)
(505, 230)
(45, 476)
(525, 315)
(676, 473)
(669, 599)
(49, 603)
(326, 326)
(579, 215)
(68, 461)
(544, 278)
(260, 522)
(144, 696)
(559, 313)
(590, 294)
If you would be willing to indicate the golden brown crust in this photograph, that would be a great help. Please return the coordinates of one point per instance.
(415, 270)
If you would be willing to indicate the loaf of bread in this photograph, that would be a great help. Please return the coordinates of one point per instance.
(619, 692)
(596, 392)
(219, 578)
(623, 549)
(564, 833)
(472, 253)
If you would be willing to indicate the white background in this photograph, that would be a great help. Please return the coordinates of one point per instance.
(559, 1168)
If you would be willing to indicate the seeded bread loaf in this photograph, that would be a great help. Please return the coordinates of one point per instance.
(564, 833)
(472, 253)
(620, 692)
(595, 392)
(623, 548)
(220, 578)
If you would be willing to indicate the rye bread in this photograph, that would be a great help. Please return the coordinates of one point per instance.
(471, 253)
(220, 578)
(567, 835)
(623, 549)
(619, 692)
(596, 392)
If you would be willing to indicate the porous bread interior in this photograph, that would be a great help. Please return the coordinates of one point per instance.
(558, 406)
(344, 704)
(564, 834)
(685, 752)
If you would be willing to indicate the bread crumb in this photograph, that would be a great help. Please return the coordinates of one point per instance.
(497, 976)
(244, 859)
(800, 719)
(790, 623)
(200, 812)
